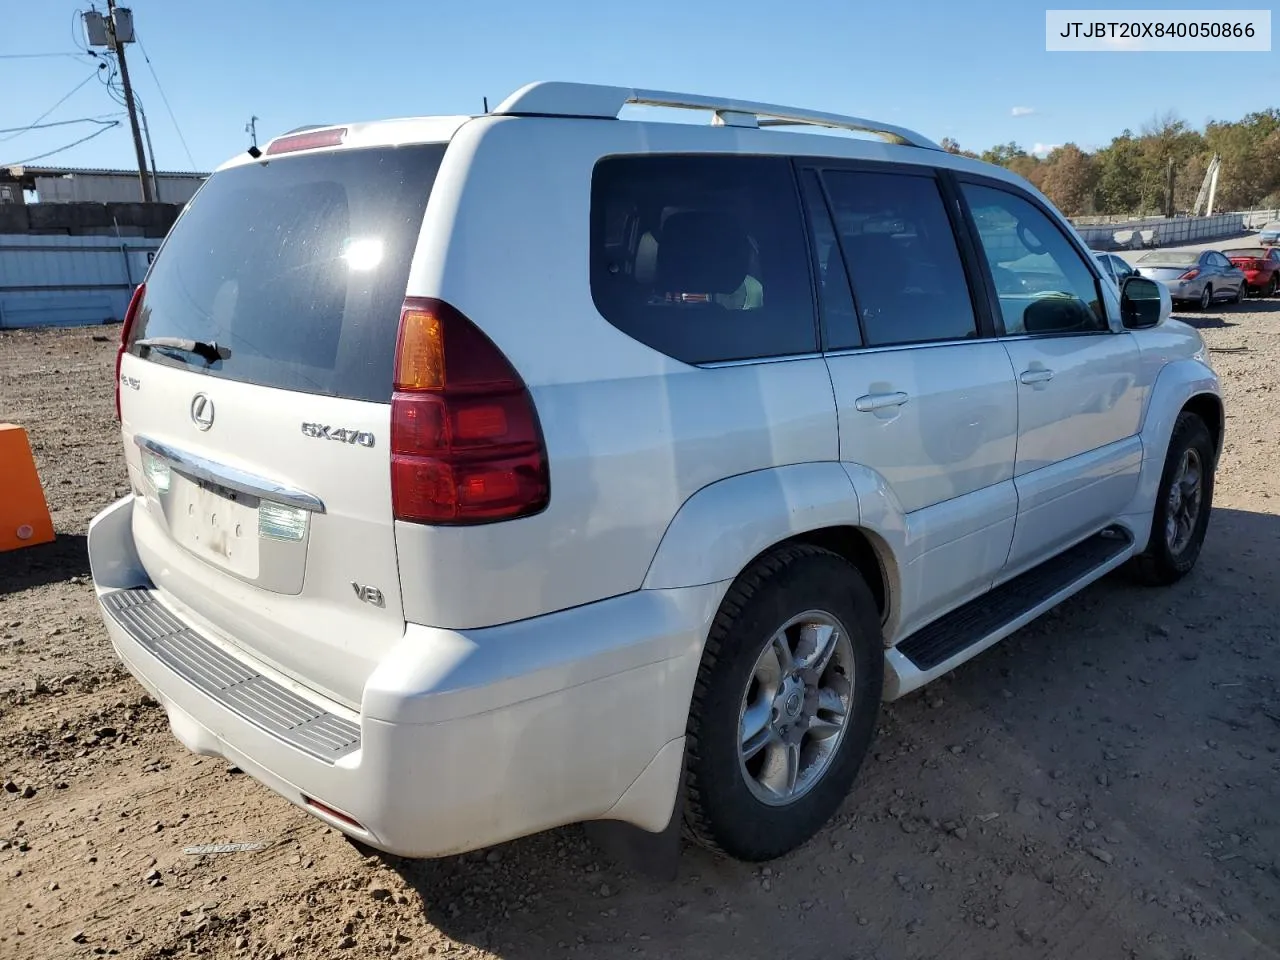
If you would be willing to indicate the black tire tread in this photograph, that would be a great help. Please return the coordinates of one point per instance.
(697, 825)
(1152, 567)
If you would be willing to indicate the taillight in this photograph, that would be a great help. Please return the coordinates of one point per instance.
(1190, 274)
(125, 329)
(466, 445)
(307, 141)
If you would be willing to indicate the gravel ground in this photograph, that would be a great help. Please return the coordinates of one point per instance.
(1101, 785)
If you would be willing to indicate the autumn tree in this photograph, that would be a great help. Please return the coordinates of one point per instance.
(1070, 180)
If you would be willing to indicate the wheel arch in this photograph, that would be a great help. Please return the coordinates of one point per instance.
(1208, 407)
(727, 526)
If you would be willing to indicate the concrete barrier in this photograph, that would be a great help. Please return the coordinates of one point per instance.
(1162, 232)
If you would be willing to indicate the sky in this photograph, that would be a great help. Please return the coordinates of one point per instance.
(974, 71)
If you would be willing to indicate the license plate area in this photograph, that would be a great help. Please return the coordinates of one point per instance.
(217, 524)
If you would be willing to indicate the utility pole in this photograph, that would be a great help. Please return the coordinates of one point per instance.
(151, 154)
(117, 44)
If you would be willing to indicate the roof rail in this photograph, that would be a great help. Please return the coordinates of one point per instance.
(559, 99)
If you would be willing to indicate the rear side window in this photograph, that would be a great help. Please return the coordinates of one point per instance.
(298, 267)
(703, 258)
(900, 250)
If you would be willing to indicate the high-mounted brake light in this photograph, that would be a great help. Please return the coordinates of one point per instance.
(307, 141)
(466, 444)
(125, 329)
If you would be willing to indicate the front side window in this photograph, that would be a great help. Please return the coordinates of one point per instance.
(1043, 283)
(703, 258)
(900, 251)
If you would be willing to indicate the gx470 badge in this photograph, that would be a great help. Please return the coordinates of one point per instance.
(321, 431)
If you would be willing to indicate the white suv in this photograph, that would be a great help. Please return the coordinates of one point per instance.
(494, 473)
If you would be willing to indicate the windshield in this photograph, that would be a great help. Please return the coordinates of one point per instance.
(296, 267)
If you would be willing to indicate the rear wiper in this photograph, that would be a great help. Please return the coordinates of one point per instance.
(207, 350)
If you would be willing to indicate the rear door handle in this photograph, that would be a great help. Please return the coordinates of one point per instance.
(1039, 375)
(879, 401)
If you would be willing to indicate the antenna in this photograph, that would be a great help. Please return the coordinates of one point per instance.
(486, 104)
(251, 128)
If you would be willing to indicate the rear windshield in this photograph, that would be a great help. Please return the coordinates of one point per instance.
(296, 268)
(1256, 252)
(1172, 259)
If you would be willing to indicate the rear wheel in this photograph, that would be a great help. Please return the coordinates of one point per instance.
(1183, 502)
(1206, 297)
(785, 704)
(1274, 285)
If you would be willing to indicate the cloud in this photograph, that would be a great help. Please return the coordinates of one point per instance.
(1044, 149)
(1022, 111)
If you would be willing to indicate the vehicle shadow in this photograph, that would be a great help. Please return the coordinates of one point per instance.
(1204, 321)
(1081, 738)
(66, 557)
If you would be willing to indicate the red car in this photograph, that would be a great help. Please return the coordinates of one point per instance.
(1261, 266)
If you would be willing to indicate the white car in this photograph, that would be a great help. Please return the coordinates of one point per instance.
(495, 473)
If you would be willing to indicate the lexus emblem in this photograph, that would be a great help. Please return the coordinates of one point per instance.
(202, 411)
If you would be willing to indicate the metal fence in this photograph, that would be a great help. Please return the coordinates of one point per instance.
(69, 281)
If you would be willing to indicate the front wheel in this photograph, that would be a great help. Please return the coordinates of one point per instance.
(1239, 295)
(1183, 502)
(785, 704)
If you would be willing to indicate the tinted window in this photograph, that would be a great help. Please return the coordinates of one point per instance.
(297, 266)
(1043, 282)
(703, 258)
(1121, 268)
(899, 249)
(839, 319)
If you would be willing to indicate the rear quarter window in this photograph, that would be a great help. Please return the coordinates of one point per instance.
(703, 258)
(297, 266)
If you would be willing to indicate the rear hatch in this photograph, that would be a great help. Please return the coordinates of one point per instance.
(255, 402)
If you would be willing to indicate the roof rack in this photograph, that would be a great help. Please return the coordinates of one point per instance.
(559, 99)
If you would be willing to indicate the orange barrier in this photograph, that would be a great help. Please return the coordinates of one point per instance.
(24, 515)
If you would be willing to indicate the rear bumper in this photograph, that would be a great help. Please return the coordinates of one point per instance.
(463, 738)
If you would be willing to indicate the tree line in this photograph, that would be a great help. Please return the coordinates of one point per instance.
(1157, 171)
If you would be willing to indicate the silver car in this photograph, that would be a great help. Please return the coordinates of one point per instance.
(1270, 234)
(1117, 268)
(1192, 277)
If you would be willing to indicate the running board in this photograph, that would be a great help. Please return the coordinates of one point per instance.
(973, 627)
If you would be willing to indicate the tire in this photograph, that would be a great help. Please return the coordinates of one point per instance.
(1273, 286)
(726, 809)
(1206, 297)
(1239, 294)
(1167, 558)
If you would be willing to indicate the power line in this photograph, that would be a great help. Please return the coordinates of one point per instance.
(75, 143)
(181, 138)
(36, 56)
(64, 99)
(61, 123)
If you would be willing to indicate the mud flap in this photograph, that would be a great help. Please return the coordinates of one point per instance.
(654, 855)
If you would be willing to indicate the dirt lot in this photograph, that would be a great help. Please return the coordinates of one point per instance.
(1102, 785)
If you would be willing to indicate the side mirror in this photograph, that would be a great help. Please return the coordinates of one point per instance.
(1144, 303)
